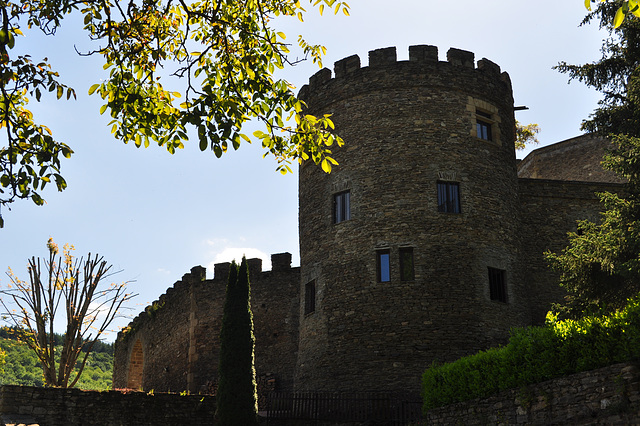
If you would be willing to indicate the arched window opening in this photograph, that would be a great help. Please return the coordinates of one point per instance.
(136, 364)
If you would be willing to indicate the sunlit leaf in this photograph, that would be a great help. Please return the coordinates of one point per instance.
(93, 88)
(326, 167)
(619, 18)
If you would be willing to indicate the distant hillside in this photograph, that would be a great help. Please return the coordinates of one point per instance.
(23, 367)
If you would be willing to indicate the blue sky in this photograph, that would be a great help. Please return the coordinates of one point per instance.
(155, 215)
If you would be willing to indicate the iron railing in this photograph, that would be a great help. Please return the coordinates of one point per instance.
(378, 407)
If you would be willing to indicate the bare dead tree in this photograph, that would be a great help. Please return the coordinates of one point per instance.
(89, 309)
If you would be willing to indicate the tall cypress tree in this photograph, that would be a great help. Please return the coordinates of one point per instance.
(236, 398)
(601, 266)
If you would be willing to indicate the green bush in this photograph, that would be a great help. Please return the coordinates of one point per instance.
(535, 354)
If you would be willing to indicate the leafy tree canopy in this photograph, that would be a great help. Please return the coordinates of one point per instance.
(218, 57)
(601, 266)
(526, 134)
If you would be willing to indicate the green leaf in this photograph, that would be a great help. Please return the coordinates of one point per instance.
(93, 88)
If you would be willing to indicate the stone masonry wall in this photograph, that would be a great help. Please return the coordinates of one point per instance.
(162, 332)
(65, 407)
(274, 302)
(549, 209)
(179, 333)
(408, 125)
(576, 159)
(608, 396)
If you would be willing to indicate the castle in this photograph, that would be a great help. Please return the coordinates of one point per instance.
(426, 242)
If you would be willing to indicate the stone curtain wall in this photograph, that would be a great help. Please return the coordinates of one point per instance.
(64, 407)
(550, 209)
(162, 330)
(608, 396)
(274, 302)
(179, 333)
(576, 159)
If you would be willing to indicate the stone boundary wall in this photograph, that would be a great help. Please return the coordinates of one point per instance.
(55, 406)
(607, 396)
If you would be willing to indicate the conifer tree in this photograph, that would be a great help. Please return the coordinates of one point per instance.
(601, 266)
(236, 397)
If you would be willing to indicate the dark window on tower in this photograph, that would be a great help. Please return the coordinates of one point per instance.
(483, 125)
(383, 266)
(497, 285)
(406, 263)
(341, 207)
(448, 197)
(310, 297)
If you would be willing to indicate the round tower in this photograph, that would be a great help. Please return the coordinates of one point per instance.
(409, 246)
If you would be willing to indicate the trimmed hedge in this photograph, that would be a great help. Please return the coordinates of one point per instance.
(536, 354)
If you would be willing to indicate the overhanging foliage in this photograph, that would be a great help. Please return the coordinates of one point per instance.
(218, 56)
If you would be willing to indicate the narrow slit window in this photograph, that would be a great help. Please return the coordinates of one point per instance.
(448, 197)
(406, 264)
(341, 207)
(497, 285)
(310, 297)
(383, 266)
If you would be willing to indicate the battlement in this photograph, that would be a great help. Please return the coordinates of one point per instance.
(280, 262)
(420, 55)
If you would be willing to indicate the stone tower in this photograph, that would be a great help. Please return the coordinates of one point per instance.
(409, 247)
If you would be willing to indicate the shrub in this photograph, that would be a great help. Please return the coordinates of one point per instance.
(535, 354)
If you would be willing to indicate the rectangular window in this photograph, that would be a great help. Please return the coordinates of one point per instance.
(448, 197)
(310, 297)
(406, 263)
(483, 126)
(384, 272)
(341, 207)
(497, 285)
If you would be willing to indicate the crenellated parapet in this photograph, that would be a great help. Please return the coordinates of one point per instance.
(423, 67)
(281, 262)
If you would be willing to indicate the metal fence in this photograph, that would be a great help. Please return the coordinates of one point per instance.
(377, 407)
